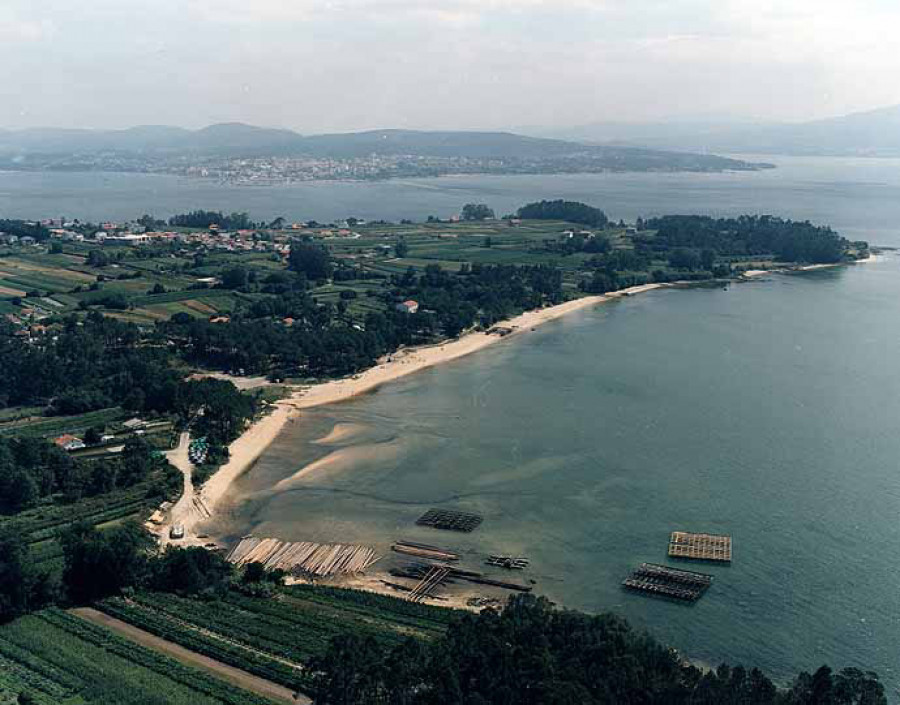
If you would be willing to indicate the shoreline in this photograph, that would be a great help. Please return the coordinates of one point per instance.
(250, 445)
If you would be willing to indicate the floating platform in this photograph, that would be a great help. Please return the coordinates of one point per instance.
(304, 558)
(449, 520)
(662, 581)
(700, 547)
(508, 562)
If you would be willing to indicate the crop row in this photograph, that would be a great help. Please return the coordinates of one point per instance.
(370, 603)
(239, 655)
(330, 619)
(19, 677)
(211, 688)
(289, 640)
(43, 522)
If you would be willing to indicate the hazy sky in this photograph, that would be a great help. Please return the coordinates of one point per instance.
(352, 64)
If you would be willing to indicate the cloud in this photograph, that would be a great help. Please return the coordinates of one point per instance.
(346, 64)
(15, 29)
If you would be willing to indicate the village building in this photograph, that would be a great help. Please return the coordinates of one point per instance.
(408, 306)
(69, 442)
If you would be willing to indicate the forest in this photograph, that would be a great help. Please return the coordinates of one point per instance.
(569, 211)
(788, 240)
(532, 653)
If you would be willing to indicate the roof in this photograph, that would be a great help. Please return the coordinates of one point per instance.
(65, 439)
(410, 302)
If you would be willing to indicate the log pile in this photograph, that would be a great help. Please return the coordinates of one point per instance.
(304, 558)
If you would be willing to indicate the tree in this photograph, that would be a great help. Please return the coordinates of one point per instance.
(190, 571)
(93, 435)
(56, 248)
(311, 259)
(683, 258)
(234, 278)
(98, 564)
(401, 249)
(349, 673)
(14, 577)
(477, 211)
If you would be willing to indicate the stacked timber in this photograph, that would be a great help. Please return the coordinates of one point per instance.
(423, 550)
(305, 558)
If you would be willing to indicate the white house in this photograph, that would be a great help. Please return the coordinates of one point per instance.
(69, 442)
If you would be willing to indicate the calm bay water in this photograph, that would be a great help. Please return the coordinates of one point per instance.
(860, 197)
(770, 411)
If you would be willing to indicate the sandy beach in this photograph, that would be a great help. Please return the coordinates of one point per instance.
(197, 506)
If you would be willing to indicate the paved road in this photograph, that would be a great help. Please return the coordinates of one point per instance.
(242, 679)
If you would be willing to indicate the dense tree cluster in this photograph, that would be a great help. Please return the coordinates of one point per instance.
(23, 586)
(203, 219)
(533, 654)
(571, 211)
(216, 409)
(24, 228)
(787, 240)
(99, 563)
(477, 295)
(100, 362)
(91, 364)
(311, 259)
(34, 469)
(322, 342)
(476, 211)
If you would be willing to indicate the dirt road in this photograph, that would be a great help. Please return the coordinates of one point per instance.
(242, 679)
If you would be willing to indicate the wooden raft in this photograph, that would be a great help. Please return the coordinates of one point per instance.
(662, 581)
(700, 547)
(318, 560)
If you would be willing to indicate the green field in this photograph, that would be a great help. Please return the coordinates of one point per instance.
(60, 659)
(274, 637)
(73, 283)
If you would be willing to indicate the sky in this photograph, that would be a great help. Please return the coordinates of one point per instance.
(320, 66)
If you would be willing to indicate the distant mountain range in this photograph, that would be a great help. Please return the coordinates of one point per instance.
(44, 148)
(871, 133)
